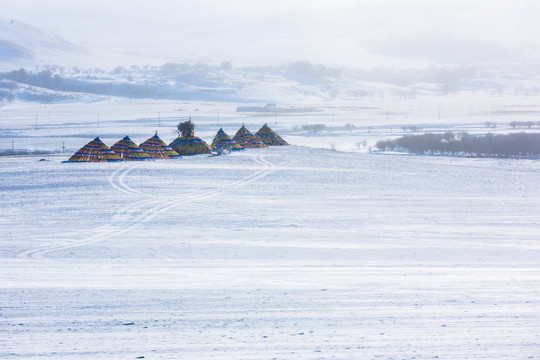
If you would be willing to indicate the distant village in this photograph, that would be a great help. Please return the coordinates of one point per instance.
(185, 144)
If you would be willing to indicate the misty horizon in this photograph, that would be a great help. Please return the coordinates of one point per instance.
(344, 33)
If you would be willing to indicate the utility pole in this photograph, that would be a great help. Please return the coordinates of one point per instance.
(63, 148)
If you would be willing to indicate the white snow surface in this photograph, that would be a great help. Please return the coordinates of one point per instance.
(280, 253)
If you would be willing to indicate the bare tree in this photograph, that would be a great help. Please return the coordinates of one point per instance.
(186, 128)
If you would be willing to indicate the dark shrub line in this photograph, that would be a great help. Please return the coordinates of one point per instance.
(516, 145)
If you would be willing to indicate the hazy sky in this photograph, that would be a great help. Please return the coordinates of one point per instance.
(331, 31)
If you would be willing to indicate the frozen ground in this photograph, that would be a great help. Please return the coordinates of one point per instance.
(280, 253)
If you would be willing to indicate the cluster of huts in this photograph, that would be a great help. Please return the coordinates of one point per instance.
(185, 144)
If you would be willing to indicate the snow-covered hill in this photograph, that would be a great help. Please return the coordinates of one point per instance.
(22, 44)
(444, 49)
(10, 51)
(51, 63)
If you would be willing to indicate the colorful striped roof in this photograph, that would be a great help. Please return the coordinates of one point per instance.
(224, 141)
(158, 149)
(128, 150)
(245, 138)
(95, 151)
(269, 137)
(190, 145)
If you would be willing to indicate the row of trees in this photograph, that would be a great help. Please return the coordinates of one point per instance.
(46, 79)
(202, 89)
(517, 145)
(527, 124)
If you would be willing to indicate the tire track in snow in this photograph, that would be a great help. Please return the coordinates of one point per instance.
(95, 234)
(135, 215)
(191, 200)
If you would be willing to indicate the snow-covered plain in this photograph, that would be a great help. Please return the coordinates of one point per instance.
(287, 253)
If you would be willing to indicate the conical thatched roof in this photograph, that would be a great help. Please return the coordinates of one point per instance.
(158, 149)
(190, 145)
(224, 141)
(269, 137)
(128, 150)
(95, 151)
(245, 138)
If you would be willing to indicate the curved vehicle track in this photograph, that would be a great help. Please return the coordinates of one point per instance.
(147, 207)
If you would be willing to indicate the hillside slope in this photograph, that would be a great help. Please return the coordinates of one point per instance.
(23, 44)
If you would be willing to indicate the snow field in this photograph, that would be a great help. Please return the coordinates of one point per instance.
(288, 253)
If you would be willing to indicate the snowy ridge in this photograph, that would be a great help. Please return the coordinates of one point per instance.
(81, 71)
(22, 44)
(30, 37)
(11, 51)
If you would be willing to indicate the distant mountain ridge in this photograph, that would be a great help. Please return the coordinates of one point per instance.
(10, 51)
(442, 48)
(21, 43)
(42, 67)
